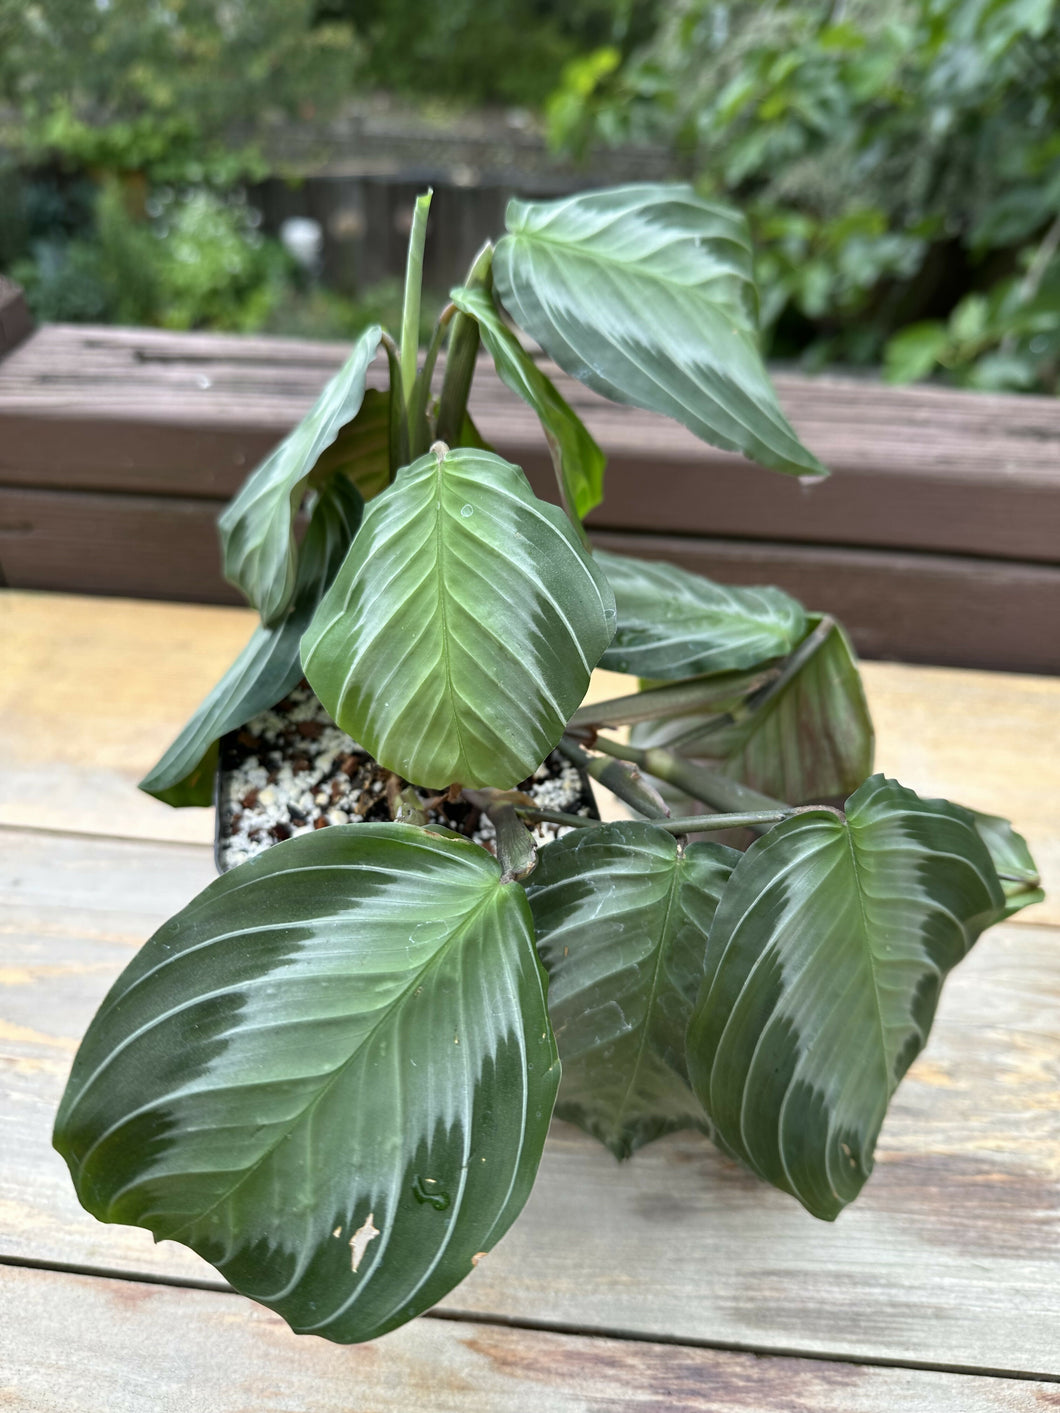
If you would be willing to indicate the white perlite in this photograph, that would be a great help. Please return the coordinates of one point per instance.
(291, 770)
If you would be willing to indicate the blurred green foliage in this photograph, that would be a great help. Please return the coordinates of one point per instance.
(484, 51)
(180, 89)
(899, 160)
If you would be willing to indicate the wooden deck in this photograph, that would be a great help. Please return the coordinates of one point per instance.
(671, 1282)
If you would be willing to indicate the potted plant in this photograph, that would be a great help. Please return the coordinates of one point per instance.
(332, 1073)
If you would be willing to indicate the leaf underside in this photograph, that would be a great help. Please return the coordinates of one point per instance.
(622, 915)
(331, 1075)
(672, 624)
(645, 293)
(826, 958)
(812, 740)
(257, 528)
(269, 666)
(459, 635)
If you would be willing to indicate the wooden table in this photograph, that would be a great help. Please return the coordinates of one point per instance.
(671, 1282)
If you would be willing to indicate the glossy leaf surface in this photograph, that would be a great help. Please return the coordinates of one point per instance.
(672, 624)
(1020, 879)
(622, 916)
(331, 1075)
(645, 293)
(460, 633)
(579, 462)
(812, 740)
(269, 666)
(257, 529)
(826, 958)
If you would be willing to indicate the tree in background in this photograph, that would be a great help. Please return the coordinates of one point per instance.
(900, 160)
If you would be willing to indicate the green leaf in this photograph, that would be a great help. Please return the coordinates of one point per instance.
(914, 352)
(460, 633)
(645, 293)
(257, 529)
(826, 958)
(330, 1075)
(808, 737)
(675, 624)
(622, 915)
(579, 462)
(269, 666)
(1020, 879)
(361, 451)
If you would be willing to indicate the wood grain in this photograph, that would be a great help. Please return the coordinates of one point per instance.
(946, 609)
(142, 411)
(949, 1258)
(94, 690)
(16, 321)
(127, 1346)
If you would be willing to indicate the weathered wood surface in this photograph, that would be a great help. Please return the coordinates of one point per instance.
(15, 319)
(156, 428)
(118, 1353)
(94, 690)
(949, 1260)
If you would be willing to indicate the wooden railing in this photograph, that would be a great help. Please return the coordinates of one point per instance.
(937, 538)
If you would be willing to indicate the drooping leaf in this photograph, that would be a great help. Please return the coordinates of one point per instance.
(622, 916)
(645, 293)
(269, 666)
(810, 740)
(257, 529)
(331, 1075)
(1020, 879)
(460, 633)
(826, 958)
(672, 624)
(361, 451)
(579, 462)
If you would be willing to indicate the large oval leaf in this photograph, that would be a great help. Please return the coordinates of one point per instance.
(807, 737)
(257, 529)
(460, 633)
(671, 623)
(645, 293)
(622, 914)
(331, 1075)
(578, 461)
(826, 959)
(269, 666)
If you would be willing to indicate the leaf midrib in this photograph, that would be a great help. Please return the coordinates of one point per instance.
(340, 1070)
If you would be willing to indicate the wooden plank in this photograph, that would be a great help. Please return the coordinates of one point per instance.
(94, 690)
(126, 1346)
(914, 607)
(15, 319)
(918, 608)
(922, 468)
(949, 1257)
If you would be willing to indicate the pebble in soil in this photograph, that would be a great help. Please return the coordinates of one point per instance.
(290, 770)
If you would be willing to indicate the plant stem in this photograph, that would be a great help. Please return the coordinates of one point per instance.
(419, 430)
(626, 783)
(410, 314)
(460, 359)
(688, 824)
(719, 692)
(713, 789)
(399, 425)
